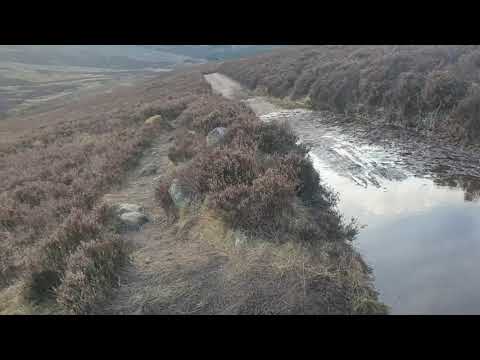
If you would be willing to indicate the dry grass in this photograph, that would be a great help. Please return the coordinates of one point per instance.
(203, 272)
(91, 270)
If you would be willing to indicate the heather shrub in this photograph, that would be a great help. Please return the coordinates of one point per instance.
(169, 109)
(91, 272)
(7, 268)
(443, 90)
(163, 197)
(221, 167)
(51, 261)
(187, 144)
(258, 208)
(210, 112)
(256, 179)
(403, 82)
(241, 135)
(299, 167)
(467, 116)
(9, 217)
(468, 65)
(272, 138)
(30, 193)
(406, 94)
(269, 138)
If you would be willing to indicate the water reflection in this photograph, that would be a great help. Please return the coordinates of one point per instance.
(427, 263)
(422, 233)
(422, 239)
(469, 184)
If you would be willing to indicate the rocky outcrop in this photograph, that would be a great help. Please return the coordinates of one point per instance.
(129, 216)
(133, 219)
(216, 135)
(123, 208)
(150, 169)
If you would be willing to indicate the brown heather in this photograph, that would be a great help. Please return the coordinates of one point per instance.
(405, 83)
(59, 241)
(52, 233)
(259, 180)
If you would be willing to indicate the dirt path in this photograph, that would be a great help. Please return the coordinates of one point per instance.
(140, 190)
(172, 273)
(231, 89)
(167, 275)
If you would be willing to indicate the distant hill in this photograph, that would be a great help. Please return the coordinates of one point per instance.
(213, 52)
(100, 56)
(32, 75)
(124, 56)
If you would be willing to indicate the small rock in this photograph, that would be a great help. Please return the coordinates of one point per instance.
(126, 208)
(150, 169)
(160, 121)
(154, 119)
(133, 219)
(181, 195)
(240, 238)
(216, 135)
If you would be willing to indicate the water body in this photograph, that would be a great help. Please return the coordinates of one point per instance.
(417, 202)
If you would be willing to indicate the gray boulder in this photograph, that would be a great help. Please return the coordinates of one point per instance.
(240, 238)
(127, 208)
(150, 169)
(182, 195)
(216, 135)
(133, 219)
(154, 119)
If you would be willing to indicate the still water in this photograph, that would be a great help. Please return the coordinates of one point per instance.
(422, 240)
(421, 234)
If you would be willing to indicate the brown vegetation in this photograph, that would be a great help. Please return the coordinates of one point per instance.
(259, 181)
(52, 235)
(58, 244)
(409, 83)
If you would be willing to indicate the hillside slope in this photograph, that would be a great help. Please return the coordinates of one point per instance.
(97, 56)
(430, 88)
(214, 52)
(63, 251)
